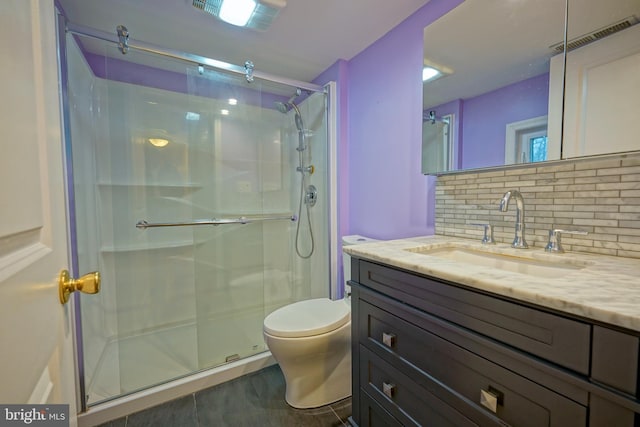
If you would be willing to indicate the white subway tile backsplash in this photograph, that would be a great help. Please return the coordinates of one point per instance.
(601, 196)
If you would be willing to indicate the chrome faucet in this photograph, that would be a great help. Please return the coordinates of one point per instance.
(518, 241)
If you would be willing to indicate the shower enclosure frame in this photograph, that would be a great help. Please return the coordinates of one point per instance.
(197, 379)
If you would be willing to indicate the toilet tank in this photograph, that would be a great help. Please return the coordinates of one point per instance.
(355, 239)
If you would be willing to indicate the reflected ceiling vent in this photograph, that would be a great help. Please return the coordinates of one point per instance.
(254, 14)
(595, 35)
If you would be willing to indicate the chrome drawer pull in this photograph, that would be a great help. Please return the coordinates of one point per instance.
(388, 339)
(491, 398)
(389, 389)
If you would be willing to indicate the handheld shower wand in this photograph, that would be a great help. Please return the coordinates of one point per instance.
(305, 194)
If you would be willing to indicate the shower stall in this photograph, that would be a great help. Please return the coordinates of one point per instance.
(438, 143)
(202, 195)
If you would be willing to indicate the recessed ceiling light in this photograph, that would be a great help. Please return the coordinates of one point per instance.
(254, 14)
(233, 101)
(224, 112)
(429, 73)
(432, 71)
(237, 12)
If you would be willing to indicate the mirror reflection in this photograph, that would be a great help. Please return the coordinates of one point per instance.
(497, 95)
(601, 102)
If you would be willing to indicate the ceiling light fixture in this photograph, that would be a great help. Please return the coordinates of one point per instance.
(255, 14)
(159, 142)
(433, 71)
(429, 73)
(237, 12)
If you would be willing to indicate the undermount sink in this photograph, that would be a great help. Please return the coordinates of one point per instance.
(498, 261)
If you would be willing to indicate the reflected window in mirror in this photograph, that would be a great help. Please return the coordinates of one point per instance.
(526, 141)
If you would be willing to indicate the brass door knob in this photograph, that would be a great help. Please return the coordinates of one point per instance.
(89, 284)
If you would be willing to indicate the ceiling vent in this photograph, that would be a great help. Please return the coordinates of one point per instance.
(261, 18)
(595, 35)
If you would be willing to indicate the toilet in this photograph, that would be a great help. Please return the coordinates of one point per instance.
(311, 341)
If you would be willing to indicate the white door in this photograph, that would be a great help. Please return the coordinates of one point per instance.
(36, 350)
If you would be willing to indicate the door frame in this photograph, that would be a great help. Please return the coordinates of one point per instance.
(61, 44)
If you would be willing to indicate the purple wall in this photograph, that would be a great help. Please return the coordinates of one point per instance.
(388, 196)
(486, 117)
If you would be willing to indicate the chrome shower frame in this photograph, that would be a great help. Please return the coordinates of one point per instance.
(189, 57)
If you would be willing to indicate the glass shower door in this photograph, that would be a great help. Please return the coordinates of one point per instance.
(158, 142)
(133, 161)
(227, 128)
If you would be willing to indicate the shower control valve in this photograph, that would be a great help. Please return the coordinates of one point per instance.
(311, 196)
(307, 169)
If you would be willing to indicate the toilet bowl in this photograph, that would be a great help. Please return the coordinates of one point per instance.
(311, 341)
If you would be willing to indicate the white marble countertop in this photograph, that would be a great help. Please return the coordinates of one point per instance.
(598, 287)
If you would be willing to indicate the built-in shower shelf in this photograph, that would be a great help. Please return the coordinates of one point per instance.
(187, 185)
(150, 246)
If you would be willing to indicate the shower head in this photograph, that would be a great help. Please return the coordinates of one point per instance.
(284, 108)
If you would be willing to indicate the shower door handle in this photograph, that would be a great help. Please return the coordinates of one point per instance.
(89, 284)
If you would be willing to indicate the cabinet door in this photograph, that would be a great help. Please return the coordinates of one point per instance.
(603, 413)
(615, 359)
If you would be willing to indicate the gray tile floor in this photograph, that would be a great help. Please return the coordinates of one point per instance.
(254, 400)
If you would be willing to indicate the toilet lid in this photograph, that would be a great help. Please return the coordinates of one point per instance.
(307, 318)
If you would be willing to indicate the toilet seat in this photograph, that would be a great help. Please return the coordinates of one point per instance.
(307, 318)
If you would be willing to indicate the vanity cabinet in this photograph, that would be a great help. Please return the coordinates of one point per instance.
(429, 352)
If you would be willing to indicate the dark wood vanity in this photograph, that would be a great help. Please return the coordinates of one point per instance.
(434, 353)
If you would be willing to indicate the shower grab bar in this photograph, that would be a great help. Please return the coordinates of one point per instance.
(142, 224)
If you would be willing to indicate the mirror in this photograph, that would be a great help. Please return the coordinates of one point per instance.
(499, 97)
(601, 102)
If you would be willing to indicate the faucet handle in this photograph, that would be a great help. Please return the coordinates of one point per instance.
(488, 233)
(555, 239)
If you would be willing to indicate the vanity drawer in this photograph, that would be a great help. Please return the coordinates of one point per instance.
(554, 338)
(426, 358)
(374, 415)
(414, 404)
